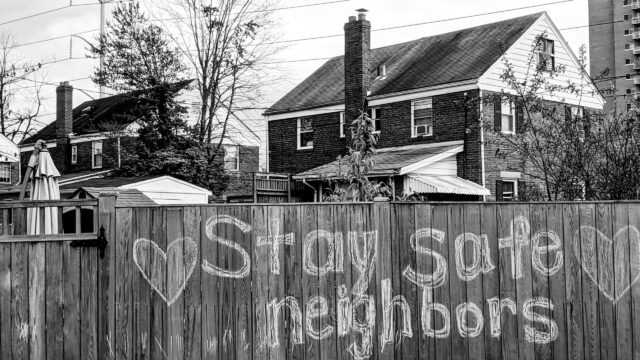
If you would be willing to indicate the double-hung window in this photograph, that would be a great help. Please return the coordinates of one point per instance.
(508, 121)
(509, 190)
(96, 154)
(342, 124)
(546, 55)
(305, 133)
(74, 154)
(376, 114)
(5, 173)
(422, 117)
(231, 158)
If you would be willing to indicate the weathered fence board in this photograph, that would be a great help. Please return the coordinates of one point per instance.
(331, 281)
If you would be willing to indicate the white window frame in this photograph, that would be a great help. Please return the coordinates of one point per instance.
(74, 154)
(237, 149)
(342, 124)
(543, 52)
(414, 134)
(8, 169)
(577, 111)
(374, 117)
(299, 128)
(515, 188)
(512, 113)
(627, 47)
(94, 148)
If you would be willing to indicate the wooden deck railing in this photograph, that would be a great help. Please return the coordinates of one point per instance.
(72, 222)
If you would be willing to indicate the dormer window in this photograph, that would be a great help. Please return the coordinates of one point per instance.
(546, 55)
(382, 70)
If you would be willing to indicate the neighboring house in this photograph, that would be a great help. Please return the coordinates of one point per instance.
(87, 141)
(423, 96)
(9, 163)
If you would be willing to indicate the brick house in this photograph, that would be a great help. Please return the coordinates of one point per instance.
(9, 163)
(86, 142)
(424, 96)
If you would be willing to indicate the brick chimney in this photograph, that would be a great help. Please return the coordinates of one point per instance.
(64, 126)
(357, 49)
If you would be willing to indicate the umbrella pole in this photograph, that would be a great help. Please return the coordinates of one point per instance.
(33, 162)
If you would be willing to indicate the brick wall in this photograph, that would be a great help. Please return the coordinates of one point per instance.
(84, 163)
(455, 118)
(498, 158)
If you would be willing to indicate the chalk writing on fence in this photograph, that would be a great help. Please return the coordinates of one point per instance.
(166, 272)
(587, 239)
(355, 308)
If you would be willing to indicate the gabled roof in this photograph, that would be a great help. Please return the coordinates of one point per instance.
(436, 60)
(93, 115)
(388, 161)
(125, 197)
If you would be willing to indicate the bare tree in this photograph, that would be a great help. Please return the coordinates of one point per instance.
(20, 95)
(571, 153)
(227, 46)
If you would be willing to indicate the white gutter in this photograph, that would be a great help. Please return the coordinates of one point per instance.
(484, 185)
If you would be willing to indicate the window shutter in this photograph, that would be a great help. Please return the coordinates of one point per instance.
(519, 118)
(498, 190)
(497, 114)
(522, 191)
(567, 113)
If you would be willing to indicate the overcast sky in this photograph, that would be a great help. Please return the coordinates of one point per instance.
(304, 22)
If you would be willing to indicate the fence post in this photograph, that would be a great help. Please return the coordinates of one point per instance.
(106, 294)
(289, 188)
(255, 189)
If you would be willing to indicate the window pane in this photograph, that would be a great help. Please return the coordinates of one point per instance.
(423, 121)
(306, 139)
(5, 172)
(420, 113)
(507, 123)
(423, 104)
(508, 188)
(306, 124)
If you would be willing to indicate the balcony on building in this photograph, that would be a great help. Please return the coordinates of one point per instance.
(636, 79)
(636, 64)
(635, 5)
(635, 20)
(635, 35)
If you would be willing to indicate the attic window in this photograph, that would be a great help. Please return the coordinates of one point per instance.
(382, 70)
(546, 55)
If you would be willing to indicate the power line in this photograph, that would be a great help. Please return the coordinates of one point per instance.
(54, 10)
(54, 38)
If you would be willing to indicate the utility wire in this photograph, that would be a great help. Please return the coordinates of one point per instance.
(54, 10)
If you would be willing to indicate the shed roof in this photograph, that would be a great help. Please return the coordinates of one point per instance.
(388, 161)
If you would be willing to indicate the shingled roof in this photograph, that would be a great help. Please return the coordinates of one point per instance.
(436, 60)
(91, 115)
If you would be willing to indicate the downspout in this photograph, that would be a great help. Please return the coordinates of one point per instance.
(484, 185)
(315, 192)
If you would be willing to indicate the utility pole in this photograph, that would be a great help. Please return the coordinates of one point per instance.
(102, 22)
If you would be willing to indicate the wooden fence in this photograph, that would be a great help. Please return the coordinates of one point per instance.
(338, 281)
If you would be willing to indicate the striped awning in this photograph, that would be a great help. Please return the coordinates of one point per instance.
(443, 185)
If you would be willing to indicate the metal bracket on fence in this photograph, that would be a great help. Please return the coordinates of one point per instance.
(101, 242)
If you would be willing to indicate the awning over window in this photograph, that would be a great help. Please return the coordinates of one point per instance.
(442, 185)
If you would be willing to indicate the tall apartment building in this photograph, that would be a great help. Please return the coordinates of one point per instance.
(614, 45)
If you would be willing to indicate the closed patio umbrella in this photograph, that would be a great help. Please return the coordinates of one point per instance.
(44, 187)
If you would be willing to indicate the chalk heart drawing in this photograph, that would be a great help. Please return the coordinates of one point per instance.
(167, 273)
(598, 250)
